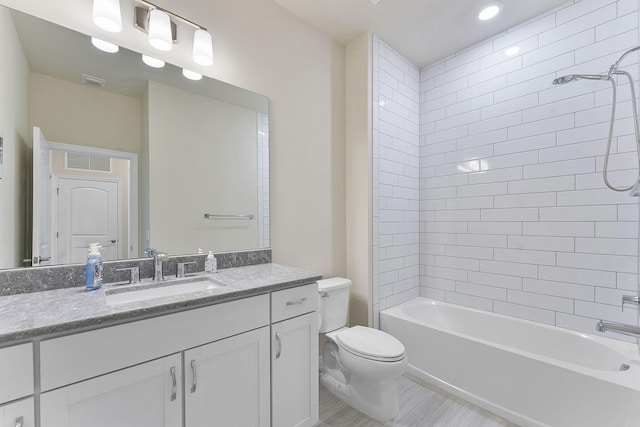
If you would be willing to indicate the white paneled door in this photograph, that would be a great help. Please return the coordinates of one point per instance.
(88, 212)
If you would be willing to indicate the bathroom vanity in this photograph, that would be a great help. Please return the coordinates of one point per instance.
(242, 353)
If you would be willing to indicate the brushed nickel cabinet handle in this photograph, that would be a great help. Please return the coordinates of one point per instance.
(297, 302)
(174, 389)
(194, 383)
(279, 345)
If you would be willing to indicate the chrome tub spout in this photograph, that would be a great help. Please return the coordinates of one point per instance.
(621, 328)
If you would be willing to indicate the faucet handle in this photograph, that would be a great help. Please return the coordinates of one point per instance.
(630, 299)
(150, 252)
(182, 267)
(134, 276)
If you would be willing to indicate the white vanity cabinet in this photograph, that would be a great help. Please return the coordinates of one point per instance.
(294, 357)
(248, 362)
(149, 394)
(132, 374)
(227, 382)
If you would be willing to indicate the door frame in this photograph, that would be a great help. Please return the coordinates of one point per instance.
(132, 217)
(55, 210)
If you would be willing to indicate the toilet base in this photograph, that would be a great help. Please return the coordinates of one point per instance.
(376, 399)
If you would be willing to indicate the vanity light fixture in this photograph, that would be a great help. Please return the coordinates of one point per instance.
(160, 25)
(152, 62)
(490, 11)
(104, 46)
(160, 35)
(106, 15)
(191, 75)
(202, 47)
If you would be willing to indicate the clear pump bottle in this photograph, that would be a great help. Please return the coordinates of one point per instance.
(93, 268)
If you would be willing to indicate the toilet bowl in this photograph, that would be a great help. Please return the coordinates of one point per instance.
(359, 364)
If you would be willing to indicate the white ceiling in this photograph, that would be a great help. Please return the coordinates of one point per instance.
(424, 31)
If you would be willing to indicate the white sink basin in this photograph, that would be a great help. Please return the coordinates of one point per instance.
(168, 288)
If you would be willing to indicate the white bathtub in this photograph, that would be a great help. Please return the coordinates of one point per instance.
(526, 372)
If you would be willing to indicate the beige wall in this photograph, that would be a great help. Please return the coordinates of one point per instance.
(74, 113)
(15, 184)
(214, 146)
(270, 51)
(358, 179)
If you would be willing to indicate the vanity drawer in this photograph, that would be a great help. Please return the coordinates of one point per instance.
(16, 372)
(294, 302)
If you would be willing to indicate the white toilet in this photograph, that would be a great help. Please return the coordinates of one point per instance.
(359, 365)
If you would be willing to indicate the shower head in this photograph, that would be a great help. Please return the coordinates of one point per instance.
(574, 77)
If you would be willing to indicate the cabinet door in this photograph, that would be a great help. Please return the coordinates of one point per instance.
(18, 414)
(227, 382)
(149, 394)
(294, 371)
(16, 372)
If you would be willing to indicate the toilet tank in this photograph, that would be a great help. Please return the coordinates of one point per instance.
(334, 303)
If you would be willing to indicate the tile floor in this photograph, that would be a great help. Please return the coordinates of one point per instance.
(421, 405)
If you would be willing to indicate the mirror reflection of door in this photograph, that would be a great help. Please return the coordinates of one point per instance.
(83, 195)
(41, 226)
(88, 211)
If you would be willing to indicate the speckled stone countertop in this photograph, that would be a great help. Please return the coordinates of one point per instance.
(39, 314)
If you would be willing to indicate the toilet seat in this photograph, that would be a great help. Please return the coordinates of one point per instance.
(371, 344)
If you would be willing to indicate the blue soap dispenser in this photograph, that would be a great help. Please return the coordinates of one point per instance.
(93, 268)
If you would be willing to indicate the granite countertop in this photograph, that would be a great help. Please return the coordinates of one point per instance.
(38, 314)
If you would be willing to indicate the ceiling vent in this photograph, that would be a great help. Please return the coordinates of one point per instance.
(93, 81)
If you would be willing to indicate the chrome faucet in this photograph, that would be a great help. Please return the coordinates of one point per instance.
(621, 328)
(158, 258)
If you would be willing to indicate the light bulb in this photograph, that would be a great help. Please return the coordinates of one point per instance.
(202, 47)
(152, 62)
(160, 30)
(104, 45)
(106, 15)
(191, 75)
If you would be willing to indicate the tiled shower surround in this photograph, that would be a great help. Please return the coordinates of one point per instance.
(514, 215)
(396, 184)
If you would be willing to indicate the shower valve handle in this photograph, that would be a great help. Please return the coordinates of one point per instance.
(630, 299)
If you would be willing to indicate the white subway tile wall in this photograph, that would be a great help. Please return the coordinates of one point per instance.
(514, 215)
(396, 178)
(263, 180)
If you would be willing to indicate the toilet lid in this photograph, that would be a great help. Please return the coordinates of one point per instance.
(371, 343)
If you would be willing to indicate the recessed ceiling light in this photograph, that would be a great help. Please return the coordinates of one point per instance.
(375, 2)
(490, 11)
(191, 75)
(104, 45)
(512, 50)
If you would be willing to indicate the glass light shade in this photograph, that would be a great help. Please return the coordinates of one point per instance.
(152, 62)
(160, 30)
(104, 45)
(191, 75)
(106, 15)
(202, 47)
(490, 11)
